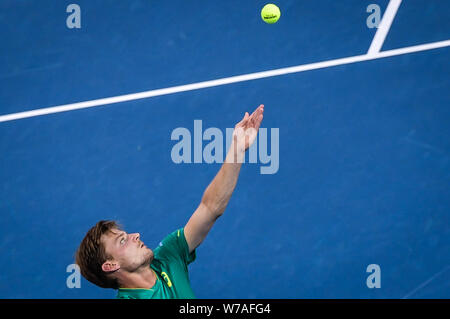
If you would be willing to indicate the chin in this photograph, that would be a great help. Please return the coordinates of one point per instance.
(149, 256)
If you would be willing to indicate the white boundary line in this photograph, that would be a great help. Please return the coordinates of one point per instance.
(223, 81)
(384, 26)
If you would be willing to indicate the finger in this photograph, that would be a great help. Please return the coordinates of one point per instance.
(246, 117)
(258, 122)
(258, 117)
(257, 114)
(259, 110)
(244, 120)
(251, 119)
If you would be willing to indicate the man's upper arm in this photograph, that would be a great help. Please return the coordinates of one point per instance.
(198, 226)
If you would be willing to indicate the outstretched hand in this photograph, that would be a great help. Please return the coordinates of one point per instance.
(246, 130)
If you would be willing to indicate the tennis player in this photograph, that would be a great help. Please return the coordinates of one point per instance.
(109, 257)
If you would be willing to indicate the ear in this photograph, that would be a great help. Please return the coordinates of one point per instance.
(110, 266)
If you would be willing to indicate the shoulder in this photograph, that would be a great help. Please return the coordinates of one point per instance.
(174, 245)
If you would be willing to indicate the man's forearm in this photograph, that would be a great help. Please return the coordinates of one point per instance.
(219, 191)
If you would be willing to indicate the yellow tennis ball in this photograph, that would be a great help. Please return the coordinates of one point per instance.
(270, 13)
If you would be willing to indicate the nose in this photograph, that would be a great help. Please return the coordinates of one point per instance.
(137, 236)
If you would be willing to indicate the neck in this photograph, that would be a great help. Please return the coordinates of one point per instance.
(142, 278)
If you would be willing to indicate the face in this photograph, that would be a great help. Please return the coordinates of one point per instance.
(128, 251)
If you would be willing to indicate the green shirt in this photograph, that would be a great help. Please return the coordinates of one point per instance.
(170, 262)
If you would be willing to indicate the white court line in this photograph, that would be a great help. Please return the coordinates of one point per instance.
(223, 81)
(384, 26)
(426, 282)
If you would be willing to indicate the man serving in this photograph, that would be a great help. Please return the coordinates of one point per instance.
(112, 258)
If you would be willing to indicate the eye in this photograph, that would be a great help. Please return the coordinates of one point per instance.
(122, 241)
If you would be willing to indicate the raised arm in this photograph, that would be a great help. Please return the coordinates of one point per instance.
(217, 194)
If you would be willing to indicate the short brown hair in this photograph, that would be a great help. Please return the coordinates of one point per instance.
(91, 255)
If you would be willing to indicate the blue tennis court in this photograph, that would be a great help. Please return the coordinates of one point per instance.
(360, 164)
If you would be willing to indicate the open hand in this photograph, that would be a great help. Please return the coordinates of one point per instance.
(246, 130)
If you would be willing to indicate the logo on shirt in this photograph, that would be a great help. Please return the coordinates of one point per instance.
(166, 278)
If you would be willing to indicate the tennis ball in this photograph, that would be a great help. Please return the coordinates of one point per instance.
(270, 13)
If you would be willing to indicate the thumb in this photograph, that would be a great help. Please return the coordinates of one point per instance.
(246, 115)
